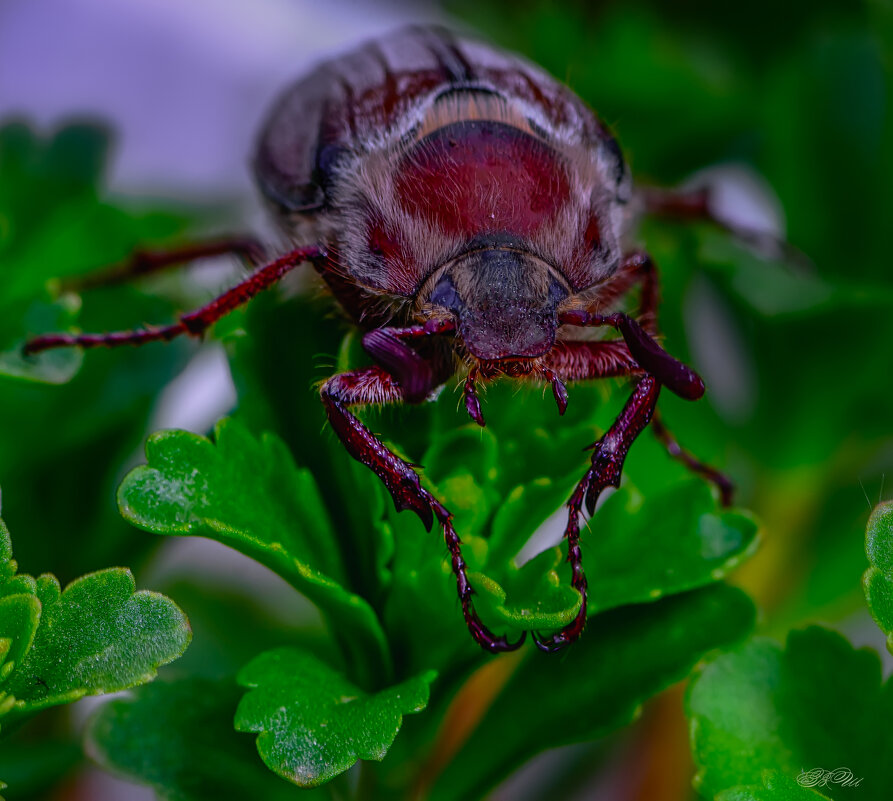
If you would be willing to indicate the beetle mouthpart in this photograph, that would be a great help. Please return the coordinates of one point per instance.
(559, 390)
(472, 403)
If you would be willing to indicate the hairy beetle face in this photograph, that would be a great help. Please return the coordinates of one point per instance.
(505, 301)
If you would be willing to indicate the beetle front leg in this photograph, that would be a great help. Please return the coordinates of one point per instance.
(608, 456)
(375, 385)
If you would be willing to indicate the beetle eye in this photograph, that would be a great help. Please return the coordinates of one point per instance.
(444, 294)
(614, 156)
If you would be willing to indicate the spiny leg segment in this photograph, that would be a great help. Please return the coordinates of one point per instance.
(638, 354)
(194, 323)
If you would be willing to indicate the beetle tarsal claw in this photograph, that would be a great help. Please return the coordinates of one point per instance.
(502, 644)
(550, 644)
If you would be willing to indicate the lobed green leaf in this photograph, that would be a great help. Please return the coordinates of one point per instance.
(178, 738)
(313, 723)
(97, 636)
(878, 579)
(247, 493)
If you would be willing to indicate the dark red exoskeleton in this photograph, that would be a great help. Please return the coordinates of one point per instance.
(470, 214)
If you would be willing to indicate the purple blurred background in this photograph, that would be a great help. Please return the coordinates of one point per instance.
(184, 82)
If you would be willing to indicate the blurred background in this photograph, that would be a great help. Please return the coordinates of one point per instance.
(788, 103)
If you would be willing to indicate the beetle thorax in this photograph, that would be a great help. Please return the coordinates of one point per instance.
(473, 165)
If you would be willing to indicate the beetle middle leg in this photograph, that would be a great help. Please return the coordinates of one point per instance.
(196, 322)
(377, 385)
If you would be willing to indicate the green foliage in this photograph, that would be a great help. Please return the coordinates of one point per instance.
(200, 757)
(248, 494)
(97, 636)
(314, 724)
(54, 225)
(627, 656)
(762, 715)
(878, 579)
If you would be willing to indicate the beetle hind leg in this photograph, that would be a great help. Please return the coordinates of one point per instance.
(720, 480)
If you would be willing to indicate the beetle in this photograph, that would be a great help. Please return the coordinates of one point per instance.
(470, 214)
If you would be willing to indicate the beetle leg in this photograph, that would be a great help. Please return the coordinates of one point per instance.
(376, 385)
(608, 456)
(195, 322)
(637, 268)
(700, 205)
(145, 261)
(677, 377)
(721, 481)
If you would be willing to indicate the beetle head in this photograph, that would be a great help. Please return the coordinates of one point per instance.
(505, 300)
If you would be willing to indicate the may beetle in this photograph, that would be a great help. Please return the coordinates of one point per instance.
(469, 213)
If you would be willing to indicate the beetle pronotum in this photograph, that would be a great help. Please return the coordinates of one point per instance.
(469, 213)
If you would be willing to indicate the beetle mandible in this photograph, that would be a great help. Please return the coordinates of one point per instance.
(469, 213)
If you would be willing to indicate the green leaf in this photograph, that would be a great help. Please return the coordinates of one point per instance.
(313, 723)
(247, 493)
(878, 579)
(674, 541)
(19, 619)
(52, 225)
(178, 738)
(98, 636)
(776, 786)
(689, 544)
(52, 366)
(817, 705)
(623, 658)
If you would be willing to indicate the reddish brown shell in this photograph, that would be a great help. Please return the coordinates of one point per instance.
(351, 101)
